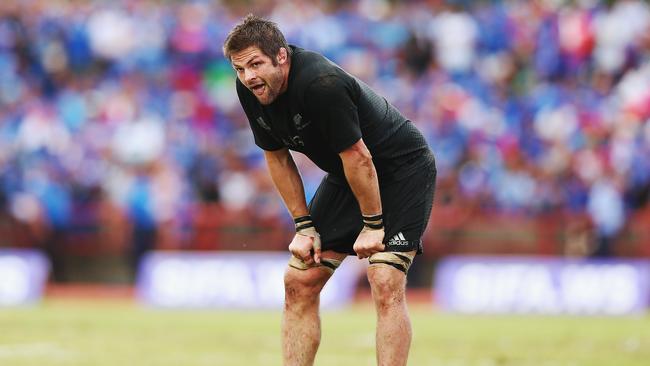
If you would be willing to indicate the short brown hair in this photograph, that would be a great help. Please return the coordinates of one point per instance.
(255, 31)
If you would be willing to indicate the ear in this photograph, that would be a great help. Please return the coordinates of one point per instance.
(282, 56)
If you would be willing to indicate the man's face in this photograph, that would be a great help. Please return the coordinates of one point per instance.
(256, 71)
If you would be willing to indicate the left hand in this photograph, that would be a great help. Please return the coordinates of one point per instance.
(369, 242)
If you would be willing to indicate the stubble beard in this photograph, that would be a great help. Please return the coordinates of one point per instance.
(273, 85)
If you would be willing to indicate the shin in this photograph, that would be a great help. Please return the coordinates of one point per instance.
(301, 320)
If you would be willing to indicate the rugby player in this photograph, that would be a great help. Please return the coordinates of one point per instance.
(374, 201)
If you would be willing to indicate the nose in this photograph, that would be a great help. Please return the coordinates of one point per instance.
(249, 75)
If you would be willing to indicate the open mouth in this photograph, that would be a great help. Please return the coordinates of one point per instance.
(258, 89)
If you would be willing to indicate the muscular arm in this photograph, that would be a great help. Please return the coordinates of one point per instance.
(361, 175)
(286, 178)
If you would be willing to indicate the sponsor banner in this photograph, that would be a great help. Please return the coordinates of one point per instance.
(542, 285)
(231, 280)
(23, 274)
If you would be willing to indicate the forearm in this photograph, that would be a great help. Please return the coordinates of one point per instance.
(362, 177)
(287, 181)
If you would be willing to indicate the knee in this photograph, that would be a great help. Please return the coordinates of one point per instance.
(303, 285)
(387, 285)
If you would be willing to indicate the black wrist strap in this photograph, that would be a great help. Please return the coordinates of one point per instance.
(374, 222)
(303, 222)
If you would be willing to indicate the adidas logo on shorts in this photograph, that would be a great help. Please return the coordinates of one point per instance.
(398, 239)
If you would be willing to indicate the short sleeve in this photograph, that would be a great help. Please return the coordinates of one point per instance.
(329, 99)
(261, 129)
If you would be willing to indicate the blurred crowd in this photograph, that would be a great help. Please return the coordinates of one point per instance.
(529, 106)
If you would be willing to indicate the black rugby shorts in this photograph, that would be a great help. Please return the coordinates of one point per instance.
(406, 206)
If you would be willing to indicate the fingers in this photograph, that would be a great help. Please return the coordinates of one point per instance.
(306, 245)
(317, 250)
(304, 255)
(317, 255)
(309, 260)
(306, 248)
(368, 243)
(365, 254)
(364, 251)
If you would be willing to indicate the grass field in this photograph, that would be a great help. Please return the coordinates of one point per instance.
(92, 333)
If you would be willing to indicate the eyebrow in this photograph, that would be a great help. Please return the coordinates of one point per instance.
(250, 60)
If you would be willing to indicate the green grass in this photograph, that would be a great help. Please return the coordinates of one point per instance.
(88, 333)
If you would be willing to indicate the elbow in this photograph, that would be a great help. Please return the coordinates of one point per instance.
(356, 155)
(278, 158)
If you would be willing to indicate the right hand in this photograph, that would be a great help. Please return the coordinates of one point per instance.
(369, 242)
(306, 246)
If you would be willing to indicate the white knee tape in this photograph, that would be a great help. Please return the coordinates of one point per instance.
(399, 260)
(327, 264)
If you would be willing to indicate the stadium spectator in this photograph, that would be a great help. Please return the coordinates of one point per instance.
(565, 89)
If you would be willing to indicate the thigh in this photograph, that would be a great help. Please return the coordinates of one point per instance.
(407, 206)
(336, 216)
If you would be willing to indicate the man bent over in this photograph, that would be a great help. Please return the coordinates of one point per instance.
(375, 200)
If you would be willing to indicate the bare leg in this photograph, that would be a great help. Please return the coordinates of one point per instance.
(301, 319)
(393, 324)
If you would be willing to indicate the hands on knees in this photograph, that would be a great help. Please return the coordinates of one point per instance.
(306, 244)
(370, 239)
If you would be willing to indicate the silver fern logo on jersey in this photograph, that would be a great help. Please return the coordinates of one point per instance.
(298, 122)
(261, 122)
(294, 142)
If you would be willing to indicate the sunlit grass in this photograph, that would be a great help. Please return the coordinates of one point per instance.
(121, 333)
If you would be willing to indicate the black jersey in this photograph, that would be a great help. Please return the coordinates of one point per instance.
(326, 110)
